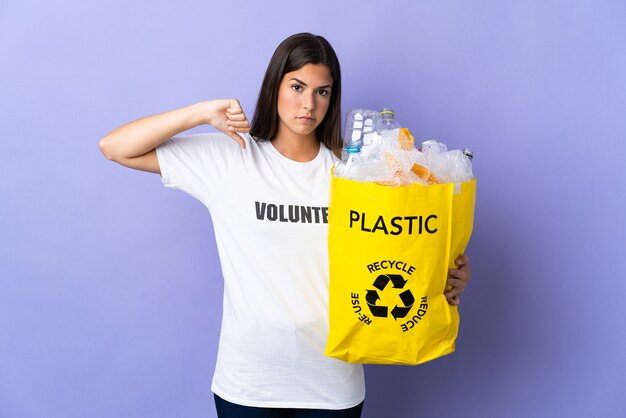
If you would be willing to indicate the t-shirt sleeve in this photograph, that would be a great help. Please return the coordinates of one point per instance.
(198, 164)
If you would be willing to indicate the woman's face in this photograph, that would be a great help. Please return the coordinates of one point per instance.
(303, 99)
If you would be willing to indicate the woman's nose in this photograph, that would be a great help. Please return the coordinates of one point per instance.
(308, 102)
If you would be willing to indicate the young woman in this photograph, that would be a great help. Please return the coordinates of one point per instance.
(267, 192)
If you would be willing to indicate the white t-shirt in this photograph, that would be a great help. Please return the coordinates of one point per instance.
(270, 219)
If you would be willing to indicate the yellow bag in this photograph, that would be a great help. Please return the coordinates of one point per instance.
(389, 250)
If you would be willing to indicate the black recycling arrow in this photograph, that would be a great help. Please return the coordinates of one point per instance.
(402, 311)
(397, 280)
(371, 297)
(381, 281)
(407, 298)
(378, 310)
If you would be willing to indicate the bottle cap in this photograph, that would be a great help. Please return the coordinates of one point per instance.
(353, 147)
(468, 153)
(387, 113)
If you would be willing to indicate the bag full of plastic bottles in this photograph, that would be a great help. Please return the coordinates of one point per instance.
(398, 218)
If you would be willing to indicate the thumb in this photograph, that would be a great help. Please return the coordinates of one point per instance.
(237, 138)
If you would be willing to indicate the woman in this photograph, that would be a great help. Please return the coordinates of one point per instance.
(267, 195)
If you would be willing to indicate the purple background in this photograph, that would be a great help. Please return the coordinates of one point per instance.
(110, 288)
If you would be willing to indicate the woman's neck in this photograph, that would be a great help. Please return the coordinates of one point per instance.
(296, 147)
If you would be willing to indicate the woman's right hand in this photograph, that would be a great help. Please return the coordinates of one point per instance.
(134, 144)
(227, 116)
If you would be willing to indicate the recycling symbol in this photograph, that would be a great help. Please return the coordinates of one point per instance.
(406, 297)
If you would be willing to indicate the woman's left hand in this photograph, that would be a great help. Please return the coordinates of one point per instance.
(458, 278)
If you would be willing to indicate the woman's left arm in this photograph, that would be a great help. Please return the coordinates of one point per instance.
(458, 278)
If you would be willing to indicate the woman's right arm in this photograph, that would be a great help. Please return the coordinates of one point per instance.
(134, 144)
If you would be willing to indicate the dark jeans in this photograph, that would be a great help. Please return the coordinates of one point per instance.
(227, 409)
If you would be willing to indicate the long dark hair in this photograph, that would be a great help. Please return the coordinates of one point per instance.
(292, 54)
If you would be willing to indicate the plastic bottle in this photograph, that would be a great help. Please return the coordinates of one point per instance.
(447, 166)
(371, 141)
(346, 167)
(353, 141)
(388, 121)
(434, 146)
(397, 143)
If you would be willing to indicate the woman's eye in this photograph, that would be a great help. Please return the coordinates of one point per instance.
(322, 92)
(296, 87)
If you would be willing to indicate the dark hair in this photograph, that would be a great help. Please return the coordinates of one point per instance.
(292, 54)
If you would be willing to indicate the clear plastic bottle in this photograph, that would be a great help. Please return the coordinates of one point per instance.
(388, 121)
(433, 146)
(347, 167)
(448, 166)
(371, 138)
(353, 142)
(396, 150)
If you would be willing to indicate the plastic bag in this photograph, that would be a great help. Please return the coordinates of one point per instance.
(389, 251)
